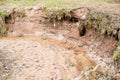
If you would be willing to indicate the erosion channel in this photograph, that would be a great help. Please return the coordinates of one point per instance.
(58, 44)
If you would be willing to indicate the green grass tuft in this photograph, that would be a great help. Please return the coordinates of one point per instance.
(1, 14)
(116, 54)
(57, 14)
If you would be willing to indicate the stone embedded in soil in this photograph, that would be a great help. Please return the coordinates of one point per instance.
(117, 76)
(80, 13)
(15, 34)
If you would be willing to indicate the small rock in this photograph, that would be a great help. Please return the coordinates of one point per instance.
(116, 77)
(28, 8)
(80, 13)
(15, 34)
(38, 33)
(36, 8)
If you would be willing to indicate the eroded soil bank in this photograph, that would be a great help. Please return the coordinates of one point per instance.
(57, 47)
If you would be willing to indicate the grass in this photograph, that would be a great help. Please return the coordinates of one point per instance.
(1, 14)
(116, 54)
(3, 29)
(116, 57)
(48, 3)
(69, 3)
(66, 4)
(19, 2)
(58, 14)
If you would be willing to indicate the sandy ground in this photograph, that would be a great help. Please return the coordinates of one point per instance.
(36, 58)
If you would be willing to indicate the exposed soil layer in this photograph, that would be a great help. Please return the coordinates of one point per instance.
(54, 50)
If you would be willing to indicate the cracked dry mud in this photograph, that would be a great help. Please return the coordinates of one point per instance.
(36, 58)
